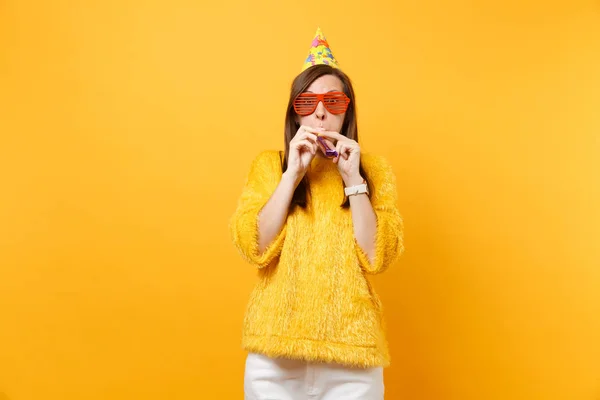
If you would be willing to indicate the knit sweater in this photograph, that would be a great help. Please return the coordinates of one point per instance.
(313, 301)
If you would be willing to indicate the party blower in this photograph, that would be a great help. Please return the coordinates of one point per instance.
(329, 152)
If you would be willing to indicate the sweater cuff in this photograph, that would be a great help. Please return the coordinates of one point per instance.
(272, 251)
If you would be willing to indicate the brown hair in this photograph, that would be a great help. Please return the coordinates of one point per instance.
(349, 127)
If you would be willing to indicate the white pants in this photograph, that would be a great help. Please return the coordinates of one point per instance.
(281, 379)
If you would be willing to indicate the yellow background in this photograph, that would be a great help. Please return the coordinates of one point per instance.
(127, 128)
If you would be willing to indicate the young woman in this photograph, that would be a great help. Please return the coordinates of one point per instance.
(315, 223)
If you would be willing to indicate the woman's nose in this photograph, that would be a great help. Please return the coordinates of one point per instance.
(320, 111)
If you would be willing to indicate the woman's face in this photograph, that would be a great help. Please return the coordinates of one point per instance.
(321, 118)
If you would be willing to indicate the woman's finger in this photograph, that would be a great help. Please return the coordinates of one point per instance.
(347, 148)
(311, 136)
(303, 133)
(341, 149)
(331, 135)
(311, 129)
(307, 144)
(320, 132)
(338, 148)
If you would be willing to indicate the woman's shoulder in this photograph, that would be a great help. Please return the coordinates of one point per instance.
(268, 156)
(267, 161)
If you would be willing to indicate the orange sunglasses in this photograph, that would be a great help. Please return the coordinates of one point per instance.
(334, 102)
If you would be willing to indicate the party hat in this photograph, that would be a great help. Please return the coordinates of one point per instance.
(319, 52)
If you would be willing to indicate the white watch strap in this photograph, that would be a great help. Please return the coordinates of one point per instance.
(358, 189)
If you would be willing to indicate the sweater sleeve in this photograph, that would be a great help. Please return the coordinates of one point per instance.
(389, 241)
(261, 182)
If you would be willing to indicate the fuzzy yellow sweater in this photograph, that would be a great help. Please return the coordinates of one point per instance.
(313, 301)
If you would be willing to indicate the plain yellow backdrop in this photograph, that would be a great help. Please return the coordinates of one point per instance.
(127, 129)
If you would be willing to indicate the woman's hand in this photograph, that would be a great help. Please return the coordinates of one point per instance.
(303, 148)
(348, 159)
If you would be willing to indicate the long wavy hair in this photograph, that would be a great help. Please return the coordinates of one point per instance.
(349, 126)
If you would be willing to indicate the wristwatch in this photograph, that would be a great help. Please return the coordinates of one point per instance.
(357, 189)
